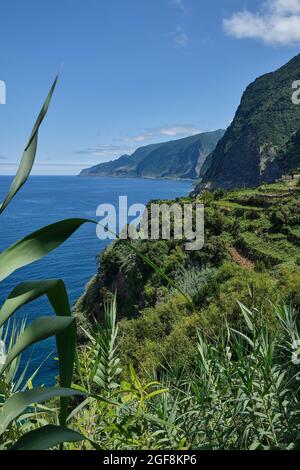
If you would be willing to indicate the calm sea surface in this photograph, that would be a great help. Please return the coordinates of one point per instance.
(47, 199)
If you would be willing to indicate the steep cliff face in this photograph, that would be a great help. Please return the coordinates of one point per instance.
(181, 158)
(262, 143)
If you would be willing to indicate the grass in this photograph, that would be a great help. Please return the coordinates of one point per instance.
(243, 393)
(275, 248)
(296, 232)
(235, 205)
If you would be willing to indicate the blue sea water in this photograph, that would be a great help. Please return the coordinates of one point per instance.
(47, 199)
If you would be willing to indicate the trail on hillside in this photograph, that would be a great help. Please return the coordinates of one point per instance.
(239, 259)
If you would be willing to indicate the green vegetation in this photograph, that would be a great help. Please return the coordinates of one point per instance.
(251, 255)
(177, 349)
(242, 393)
(15, 397)
(262, 142)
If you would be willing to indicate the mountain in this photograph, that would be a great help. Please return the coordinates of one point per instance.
(181, 158)
(263, 141)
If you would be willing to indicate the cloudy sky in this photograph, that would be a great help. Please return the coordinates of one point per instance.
(133, 72)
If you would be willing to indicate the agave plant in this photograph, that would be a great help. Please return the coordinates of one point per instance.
(22, 253)
(11, 380)
(15, 380)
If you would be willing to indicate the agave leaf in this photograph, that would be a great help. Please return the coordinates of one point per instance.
(47, 437)
(66, 342)
(29, 153)
(41, 328)
(248, 315)
(242, 335)
(19, 402)
(28, 291)
(37, 245)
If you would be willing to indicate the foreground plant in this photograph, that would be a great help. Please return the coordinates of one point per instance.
(24, 252)
(243, 393)
(36, 246)
(116, 410)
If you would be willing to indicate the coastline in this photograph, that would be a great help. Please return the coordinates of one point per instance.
(166, 178)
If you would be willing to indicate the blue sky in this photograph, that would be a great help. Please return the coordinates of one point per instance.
(133, 72)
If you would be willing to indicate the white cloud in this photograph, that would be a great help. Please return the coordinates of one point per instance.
(129, 143)
(180, 37)
(106, 151)
(180, 130)
(138, 138)
(155, 134)
(276, 22)
(287, 6)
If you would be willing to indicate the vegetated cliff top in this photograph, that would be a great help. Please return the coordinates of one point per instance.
(251, 255)
(261, 144)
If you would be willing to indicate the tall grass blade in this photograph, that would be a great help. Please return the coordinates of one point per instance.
(29, 154)
(19, 402)
(46, 437)
(66, 342)
(41, 328)
(37, 245)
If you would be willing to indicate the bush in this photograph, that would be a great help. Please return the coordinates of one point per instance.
(219, 194)
(143, 340)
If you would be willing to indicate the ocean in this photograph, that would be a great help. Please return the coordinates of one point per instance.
(47, 199)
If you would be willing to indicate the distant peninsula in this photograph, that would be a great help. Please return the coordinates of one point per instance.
(176, 159)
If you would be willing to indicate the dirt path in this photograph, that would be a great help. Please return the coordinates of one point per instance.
(239, 259)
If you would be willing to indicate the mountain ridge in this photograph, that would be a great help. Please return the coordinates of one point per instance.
(175, 159)
(254, 148)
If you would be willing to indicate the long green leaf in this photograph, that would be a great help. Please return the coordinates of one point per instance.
(37, 245)
(29, 153)
(66, 342)
(18, 403)
(41, 328)
(47, 437)
(28, 291)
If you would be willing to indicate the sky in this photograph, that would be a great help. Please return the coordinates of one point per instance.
(132, 72)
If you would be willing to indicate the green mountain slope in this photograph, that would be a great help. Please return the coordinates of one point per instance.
(251, 254)
(261, 144)
(181, 158)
